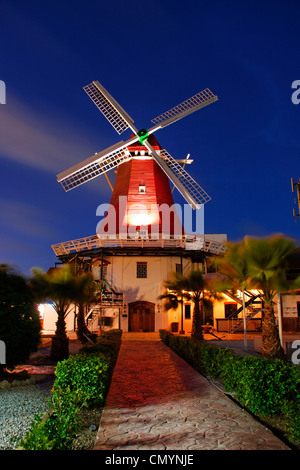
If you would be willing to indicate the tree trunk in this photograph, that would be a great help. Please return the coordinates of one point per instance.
(196, 326)
(60, 342)
(271, 347)
(82, 329)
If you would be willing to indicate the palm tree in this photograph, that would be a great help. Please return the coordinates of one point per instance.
(60, 286)
(86, 293)
(233, 265)
(267, 261)
(191, 287)
(264, 262)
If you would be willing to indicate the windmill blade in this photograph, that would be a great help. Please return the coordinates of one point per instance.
(94, 166)
(198, 101)
(191, 187)
(196, 193)
(186, 185)
(109, 107)
(184, 163)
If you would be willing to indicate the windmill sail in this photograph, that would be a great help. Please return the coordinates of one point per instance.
(116, 155)
(198, 101)
(109, 107)
(186, 185)
(192, 188)
(94, 166)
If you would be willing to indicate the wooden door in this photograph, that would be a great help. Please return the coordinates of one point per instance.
(141, 316)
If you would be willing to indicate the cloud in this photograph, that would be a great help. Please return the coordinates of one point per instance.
(30, 138)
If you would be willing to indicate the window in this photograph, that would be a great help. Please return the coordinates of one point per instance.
(103, 272)
(178, 268)
(230, 309)
(142, 189)
(141, 270)
(187, 311)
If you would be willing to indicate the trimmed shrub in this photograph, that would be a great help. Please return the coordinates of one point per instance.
(81, 380)
(260, 384)
(85, 376)
(19, 320)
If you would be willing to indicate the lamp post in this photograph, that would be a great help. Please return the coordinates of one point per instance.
(181, 331)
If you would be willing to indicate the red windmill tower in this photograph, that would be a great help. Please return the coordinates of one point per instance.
(142, 201)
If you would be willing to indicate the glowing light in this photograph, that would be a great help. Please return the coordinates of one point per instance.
(139, 215)
(41, 309)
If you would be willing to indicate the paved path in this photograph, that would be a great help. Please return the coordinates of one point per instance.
(157, 401)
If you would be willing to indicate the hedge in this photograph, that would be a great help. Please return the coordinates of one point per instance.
(265, 387)
(82, 380)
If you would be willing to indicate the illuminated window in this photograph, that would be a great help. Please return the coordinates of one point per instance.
(141, 270)
(142, 189)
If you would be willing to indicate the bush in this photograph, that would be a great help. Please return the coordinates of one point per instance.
(19, 320)
(107, 343)
(260, 384)
(204, 358)
(81, 380)
(85, 376)
(59, 428)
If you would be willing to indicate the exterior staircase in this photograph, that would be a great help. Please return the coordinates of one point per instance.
(108, 298)
(250, 308)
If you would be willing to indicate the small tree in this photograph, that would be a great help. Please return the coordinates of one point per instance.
(267, 261)
(60, 286)
(86, 293)
(20, 326)
(192, 287)
(261, 263)
(233, 265)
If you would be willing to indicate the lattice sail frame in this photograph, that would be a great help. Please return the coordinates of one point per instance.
(188, 106)
(94, 168)
(114, 156)
(109, 107)
(192, 187)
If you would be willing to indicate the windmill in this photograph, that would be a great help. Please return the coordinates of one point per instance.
(140, 144)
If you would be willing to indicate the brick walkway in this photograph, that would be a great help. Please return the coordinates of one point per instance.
(157, 401)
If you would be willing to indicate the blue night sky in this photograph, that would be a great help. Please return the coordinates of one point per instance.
(150, 55)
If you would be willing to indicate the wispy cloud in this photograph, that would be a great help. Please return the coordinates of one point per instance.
(32, 139)
(49, 144)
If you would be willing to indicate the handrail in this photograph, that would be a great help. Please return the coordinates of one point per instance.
(89, 243)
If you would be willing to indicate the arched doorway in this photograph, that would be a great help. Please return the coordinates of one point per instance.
(141, 316)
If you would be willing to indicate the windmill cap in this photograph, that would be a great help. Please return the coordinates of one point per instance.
(138, 146)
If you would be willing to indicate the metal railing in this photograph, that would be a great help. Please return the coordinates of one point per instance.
(94, 242)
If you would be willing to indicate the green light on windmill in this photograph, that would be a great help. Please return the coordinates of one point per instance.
(143, 135)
